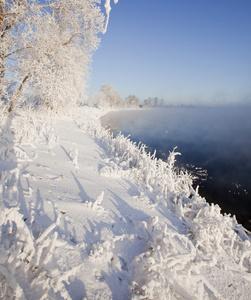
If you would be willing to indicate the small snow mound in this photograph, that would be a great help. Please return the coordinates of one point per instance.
(96, 205)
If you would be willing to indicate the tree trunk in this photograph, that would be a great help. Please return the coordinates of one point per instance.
(2, 72)
(2, 60)
(13, 102)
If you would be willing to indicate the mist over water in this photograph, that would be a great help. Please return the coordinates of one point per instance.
(215, 144)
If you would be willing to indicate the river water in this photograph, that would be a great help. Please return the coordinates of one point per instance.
(215, 144)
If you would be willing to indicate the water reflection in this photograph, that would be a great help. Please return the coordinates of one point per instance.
(217, 140)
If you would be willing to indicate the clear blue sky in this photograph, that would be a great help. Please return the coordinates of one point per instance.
(184, 51)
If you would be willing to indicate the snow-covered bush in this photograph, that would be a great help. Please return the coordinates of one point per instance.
(31, 126)
(27, 264)
(165, 270)
(6, 138)
(211, 231)
(170, 266)
(26, 126)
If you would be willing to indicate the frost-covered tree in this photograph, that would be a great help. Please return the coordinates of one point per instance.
(132, 101)
(47, 47)
(107, 97)
(153, 102)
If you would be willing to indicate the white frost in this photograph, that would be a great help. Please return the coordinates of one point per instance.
(140, 231)
(108, 9)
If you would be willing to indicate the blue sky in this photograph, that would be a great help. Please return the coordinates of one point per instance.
(184, 51)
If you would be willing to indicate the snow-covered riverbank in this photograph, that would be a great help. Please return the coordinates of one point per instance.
(85, 215)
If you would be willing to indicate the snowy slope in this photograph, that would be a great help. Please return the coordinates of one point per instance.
(87, 216)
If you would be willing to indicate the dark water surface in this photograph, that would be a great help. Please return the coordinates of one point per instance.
(215, 144)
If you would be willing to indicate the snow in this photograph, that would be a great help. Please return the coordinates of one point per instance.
(108, 8)
(87, 216)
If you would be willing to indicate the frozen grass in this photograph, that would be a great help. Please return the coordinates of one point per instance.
(171, 263)
(206, 230)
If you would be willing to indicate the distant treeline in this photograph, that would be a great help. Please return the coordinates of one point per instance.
(153, 102)
(108, 97)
